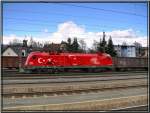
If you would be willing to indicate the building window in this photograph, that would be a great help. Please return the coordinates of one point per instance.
(23, 53)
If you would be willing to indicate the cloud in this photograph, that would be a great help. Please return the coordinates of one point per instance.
(65, 30)
(70, 29)
(11, 37)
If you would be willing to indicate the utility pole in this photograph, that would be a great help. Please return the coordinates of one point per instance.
(20, 57)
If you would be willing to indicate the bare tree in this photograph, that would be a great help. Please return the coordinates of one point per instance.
(95, 45)
(82, 44)
(15, 42)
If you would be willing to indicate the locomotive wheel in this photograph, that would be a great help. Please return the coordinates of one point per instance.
(90, 70)
(65, 70)
(56, 71)
(85, 70)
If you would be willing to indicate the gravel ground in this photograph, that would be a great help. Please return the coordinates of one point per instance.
(109, 94)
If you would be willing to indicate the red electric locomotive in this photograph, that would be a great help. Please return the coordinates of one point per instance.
(50, 62)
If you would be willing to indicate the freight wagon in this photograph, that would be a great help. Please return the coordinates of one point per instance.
(130, 63)
(12, 62)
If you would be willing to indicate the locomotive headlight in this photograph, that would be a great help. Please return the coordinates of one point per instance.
(108, 55)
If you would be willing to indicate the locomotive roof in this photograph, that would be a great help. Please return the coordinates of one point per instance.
(78, 54)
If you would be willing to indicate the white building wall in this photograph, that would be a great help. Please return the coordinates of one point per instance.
(9, 52)
(131, 52)
(118, 50)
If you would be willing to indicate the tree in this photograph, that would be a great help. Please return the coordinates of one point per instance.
(83, 45)
(25, 43)
(46, 47)
(95, 45)
(75, 45)
(138, 48)
(89, 50)
(15, 42)
(99, 47)
(102, 44)
(68, 44)
(124, 43)
(33, 43)
(110, 48)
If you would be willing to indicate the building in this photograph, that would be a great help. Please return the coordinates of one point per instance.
(125, 50)
(14, 51)
(144, 52)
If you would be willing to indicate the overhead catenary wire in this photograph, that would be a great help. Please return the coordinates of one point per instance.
(106, 10)
(71, 15)
(60, 14)
(9, 29)
(51, 23)
(98, 28)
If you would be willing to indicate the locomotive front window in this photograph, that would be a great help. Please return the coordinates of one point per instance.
(33, 57)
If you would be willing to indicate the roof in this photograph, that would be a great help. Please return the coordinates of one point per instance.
(3, 48)
(145, 48)
(124, 45)
(15, 48)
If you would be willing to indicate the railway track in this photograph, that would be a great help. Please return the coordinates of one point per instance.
(55, 89)
(62, 74)
(69, 80)
(69, 92)
(110, 99)
(21, 91)
(69, 75)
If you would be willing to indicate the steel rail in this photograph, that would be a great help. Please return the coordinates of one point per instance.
(87, 75)
(71, 81)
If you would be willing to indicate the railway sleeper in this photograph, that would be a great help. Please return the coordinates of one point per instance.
(65, 92)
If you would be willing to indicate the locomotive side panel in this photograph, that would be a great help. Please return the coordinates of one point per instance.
(68, 59)
(89, 60)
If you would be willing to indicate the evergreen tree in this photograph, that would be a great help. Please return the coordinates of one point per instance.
(25, 43)
(110, 48)
(69, 46)
(75, 45)
(63, 46)
(102, 45)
